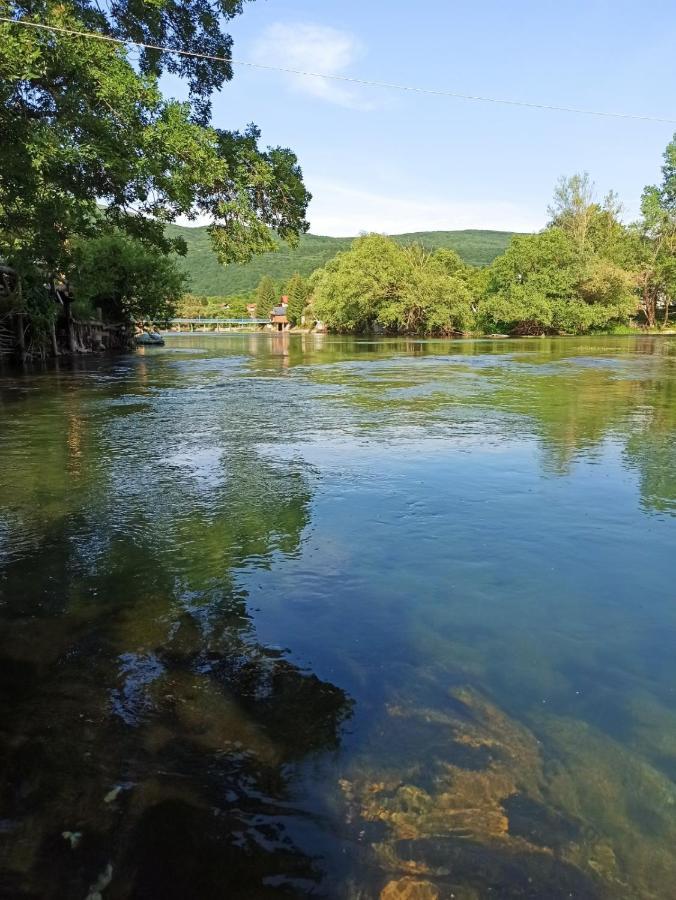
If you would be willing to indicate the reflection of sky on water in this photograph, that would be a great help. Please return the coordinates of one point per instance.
(285, 587)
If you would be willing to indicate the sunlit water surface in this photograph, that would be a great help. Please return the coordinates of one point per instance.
(288, 616)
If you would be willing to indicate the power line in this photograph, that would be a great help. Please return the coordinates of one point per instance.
(348, 79)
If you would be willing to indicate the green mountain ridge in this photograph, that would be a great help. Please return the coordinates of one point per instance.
(207, 277)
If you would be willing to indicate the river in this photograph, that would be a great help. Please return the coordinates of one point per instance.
(318, 616)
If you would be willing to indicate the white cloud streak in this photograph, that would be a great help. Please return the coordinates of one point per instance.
(343, 211)
(338, 210)
(312, 48)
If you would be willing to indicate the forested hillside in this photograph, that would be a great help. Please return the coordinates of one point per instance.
(208, 278)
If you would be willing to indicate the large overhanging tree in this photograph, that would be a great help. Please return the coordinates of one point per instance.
(89, 142)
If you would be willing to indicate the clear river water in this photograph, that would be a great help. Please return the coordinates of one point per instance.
(288, 616)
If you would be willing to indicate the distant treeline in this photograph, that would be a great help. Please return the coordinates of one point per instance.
(264, 298)
(208, 278)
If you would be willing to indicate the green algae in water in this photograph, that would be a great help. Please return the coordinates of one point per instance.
(340, 618)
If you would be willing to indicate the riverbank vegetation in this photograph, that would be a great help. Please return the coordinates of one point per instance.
(258, 303)
(586, 271)
(95, 152)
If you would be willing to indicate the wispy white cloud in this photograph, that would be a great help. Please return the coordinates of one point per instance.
(341, 210)
(313, 48)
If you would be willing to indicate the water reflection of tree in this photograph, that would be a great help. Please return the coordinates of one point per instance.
(571, 413)
(651, 449)
(569, 395)
(144, 717)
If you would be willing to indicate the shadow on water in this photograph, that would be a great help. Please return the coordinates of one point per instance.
(357, 619)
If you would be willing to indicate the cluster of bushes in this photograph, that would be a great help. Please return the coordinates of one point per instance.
(408, 289)
(585, 271)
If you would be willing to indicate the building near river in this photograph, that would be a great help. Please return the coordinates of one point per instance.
(279, 317)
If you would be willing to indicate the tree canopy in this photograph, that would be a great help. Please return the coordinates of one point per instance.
(93, 151)
(658, 241)
(266, 297)
(91, 144)
(297, 290)
(379, 283)
(127, 280)
(549, 282)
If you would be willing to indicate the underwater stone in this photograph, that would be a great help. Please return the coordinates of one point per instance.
(409, 889)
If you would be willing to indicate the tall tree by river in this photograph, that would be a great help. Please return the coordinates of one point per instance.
(658, 272)
(94, 144)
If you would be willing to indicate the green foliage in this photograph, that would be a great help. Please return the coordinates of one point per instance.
(573, 207)
(583, 273)
(535, 274)
(351, 289)
(434, 297)
(657, 238)
(298, 291)
(266, 297)
(128, 280)
(231, 307)
(38, 306)
(380, 283)
(570, 277)
(191, 307)
(208, 277)
(89, 127)
(578, 275)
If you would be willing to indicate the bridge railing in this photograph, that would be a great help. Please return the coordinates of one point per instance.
(246, 321)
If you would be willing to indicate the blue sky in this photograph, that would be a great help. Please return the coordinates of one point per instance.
(380, 160)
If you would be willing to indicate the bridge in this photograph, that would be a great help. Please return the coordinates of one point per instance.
(203, 323)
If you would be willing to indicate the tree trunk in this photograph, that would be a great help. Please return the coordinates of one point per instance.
(649, 306)
(70, 328)
(52, 334)
(20, 337)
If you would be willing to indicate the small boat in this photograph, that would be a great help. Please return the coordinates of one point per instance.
(149, 339)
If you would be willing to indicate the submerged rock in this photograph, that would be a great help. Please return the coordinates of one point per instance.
(476, 802)
(446, 819)
(409, 889)
(458, 800)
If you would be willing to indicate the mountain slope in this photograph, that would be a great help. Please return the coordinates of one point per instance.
(209, 278)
